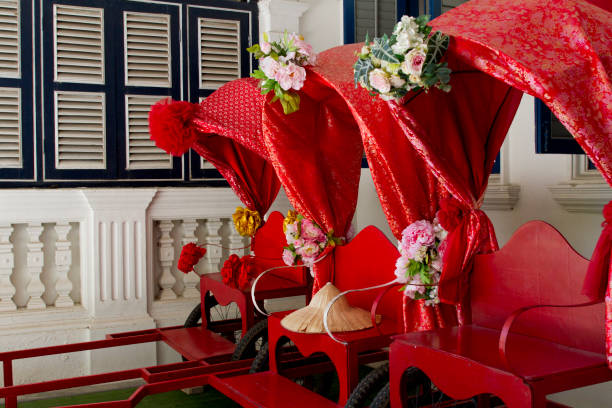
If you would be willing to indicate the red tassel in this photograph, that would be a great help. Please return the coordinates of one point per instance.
(170, 125)
(190, 255)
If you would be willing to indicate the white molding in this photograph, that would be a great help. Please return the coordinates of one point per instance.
(501, 197)
(582, 197)
(24, 205)
(276, 16)
(50, 319)
(586, 192)
(178, 203)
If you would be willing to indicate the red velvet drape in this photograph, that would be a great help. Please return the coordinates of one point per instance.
(225, 138)
(316, 152)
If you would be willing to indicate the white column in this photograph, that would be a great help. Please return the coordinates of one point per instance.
(35, 262)
(276, 16)
(214, 252)
(166, 259)
(7, 263)
(191, 279)
(63, 260)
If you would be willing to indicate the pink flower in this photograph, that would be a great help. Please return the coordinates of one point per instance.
(310, 249)
(288, 257)
(414, 61)
(442, 249)
(419, 233)
(311, 232)
(306, 50)
(401, 265)
(379, 80)
(309, 261)
(265, 47)
(269, 66)
(291, 76)
(436, 263)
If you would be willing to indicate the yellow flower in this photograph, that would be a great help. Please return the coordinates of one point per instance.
(289, 219)
(246, 221)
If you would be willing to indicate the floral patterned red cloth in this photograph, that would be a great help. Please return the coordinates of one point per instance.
(561, 52)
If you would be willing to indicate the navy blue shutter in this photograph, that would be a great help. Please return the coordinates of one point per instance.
(142, 48)
(16, 85)
(211, 63)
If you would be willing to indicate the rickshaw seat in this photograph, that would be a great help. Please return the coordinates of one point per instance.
(548, 349)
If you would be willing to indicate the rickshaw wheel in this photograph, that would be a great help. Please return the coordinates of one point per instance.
(251, 344)
(195, 317)
(369, 387)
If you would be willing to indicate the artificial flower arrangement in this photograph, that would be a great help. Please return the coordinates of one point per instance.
(246, 221)
(408, 60)
(190, 256)
(420, 263)
(306, 240)
(239, 272)
(281, 68)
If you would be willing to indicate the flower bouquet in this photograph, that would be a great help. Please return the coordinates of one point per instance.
(281, 68)
(306, 240)
(420, 263)
(408, 60)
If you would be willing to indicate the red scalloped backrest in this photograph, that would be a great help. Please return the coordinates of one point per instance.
(268, 245)
(368, 260)
(537, 266)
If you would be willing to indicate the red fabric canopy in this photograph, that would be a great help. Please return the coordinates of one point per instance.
(226, 138)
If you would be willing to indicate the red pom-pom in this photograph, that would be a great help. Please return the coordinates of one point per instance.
(190, 255)
(170, 125)
(450, 213)
(230, 270)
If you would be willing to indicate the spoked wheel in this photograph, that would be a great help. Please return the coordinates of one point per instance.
(373, 390)
(251, 344)
(369, 387)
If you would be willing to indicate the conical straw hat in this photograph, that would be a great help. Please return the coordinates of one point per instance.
(341, 317)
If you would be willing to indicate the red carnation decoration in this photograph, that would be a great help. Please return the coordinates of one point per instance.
(190, 255)
(170, 125)
(249, 270)
(230, 270)
(450, 213)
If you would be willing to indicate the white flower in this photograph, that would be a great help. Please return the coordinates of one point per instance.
(365, 50)
(419, 254)
(265, 47)
(379, 80)
(413, 63)
(397, 82)
(269, 66)
(387, 97)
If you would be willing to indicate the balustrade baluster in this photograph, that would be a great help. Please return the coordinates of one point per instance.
(63, 260)
(7, 263)
(166, 258)
(236, 240)
(191, 279)
(35, 262)
(214, 253)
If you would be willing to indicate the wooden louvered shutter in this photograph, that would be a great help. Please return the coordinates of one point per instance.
(78, 134)
(151, 62)
(16, 118)
(217, 55)
(10, 127)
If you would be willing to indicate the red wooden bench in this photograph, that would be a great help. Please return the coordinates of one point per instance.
(518, 347)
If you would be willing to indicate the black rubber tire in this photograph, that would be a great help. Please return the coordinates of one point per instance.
(262, 360)
(383, 398)
(195, 317)
(246, 347)
(368, 387)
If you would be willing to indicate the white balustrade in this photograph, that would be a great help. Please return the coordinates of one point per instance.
(63, 260)
(35, 263)
(7, 263)
(214, 252)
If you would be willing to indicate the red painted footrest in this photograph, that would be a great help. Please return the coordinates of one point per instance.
(196, 343)
(269, 390)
